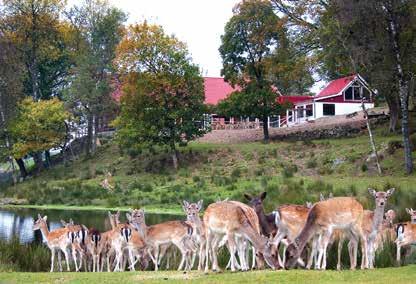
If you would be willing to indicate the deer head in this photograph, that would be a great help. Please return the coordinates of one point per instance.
(192, 209)
(256, 202)
(381, 196)
(268, 253)
(412, 214)
(389, 217)
(136, 218)
(308, 204)
(39, 222)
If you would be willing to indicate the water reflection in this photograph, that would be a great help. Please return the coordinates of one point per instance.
(19, 222)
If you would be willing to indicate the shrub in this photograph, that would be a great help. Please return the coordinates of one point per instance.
(311, 163)
(236, 173)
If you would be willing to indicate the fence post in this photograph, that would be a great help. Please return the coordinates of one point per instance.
(278, 121)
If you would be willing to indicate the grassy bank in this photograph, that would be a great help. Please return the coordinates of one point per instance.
(385, 275)
(291, 172)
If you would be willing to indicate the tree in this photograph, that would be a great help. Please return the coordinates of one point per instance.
(162, 102)
(38, 126)
(384, 52)
(250, 37)
(99, 29)
(11, 91)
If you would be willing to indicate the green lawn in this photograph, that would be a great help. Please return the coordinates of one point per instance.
(386, 275)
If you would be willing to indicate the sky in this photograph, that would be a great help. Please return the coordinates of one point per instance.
(198, 23)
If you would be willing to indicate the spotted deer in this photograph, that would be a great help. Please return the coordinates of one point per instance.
(76, 236)
(56, 240)
(412, 214)
(406, 235)
(230, 219)
(324, 217)
(178, 233)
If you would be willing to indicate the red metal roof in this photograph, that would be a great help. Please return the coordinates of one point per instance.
(335, 86)
(293, 99)
(216, 89)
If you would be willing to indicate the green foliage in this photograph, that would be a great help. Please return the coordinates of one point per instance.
(163, 91)
(39, 126)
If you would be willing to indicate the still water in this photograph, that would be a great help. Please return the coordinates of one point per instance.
(19, 222)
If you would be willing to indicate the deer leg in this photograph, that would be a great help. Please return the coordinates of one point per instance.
(313, 253)
(207, 248)
(340, 243)
(67, 259)
(60, 260)
(325, 243)
(52, 258)
(201, 254)
(253, 258)
(156, 256)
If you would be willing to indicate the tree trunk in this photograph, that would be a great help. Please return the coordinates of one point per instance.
(48, 158)
(174, 154)
(94, 143)
(394, 108)
(372, 142)
(37, 157)
(265, 129)
(22, 168)
(403, 88)
(89, 134)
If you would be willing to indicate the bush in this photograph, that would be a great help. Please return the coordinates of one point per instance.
(311, 163)
(289, 171)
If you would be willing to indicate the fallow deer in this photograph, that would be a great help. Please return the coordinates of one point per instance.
(178, 233)
(406, 235)
(412, 214)
(76, 236)
(230, 219)
(56, 240)
(324, 217)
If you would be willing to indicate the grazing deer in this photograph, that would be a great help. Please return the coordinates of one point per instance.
(324, 217)
(230, 219)
(406, 235)
(56, 240)
(412, 214)
(178, 233)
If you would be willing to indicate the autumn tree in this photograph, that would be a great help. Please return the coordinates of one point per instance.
(99, 29)
(38, 126)
(11, 91)
(162, 102)
(249, 41)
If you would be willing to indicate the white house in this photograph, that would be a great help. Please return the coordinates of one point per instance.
(341, 96)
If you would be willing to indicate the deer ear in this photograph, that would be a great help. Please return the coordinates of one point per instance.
(372, 192)
(39, 217)
(263, 195)
(408, 211)
(84, 227)
(321, 197)
(71, 221)
(185, 203)
(200, 203)
(109, 214)
(248, 197)
(390, 191)
(45, 218)
(128, 216)
(331, 195)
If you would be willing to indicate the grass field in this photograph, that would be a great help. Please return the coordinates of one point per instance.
(384, 275)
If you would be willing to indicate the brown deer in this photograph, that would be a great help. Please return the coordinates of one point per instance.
(324, 217)
(178, 233)
(230, 219)
(372, 224)
(57, 241)
(406, 235)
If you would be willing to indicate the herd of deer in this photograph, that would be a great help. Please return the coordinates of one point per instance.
(239, 227)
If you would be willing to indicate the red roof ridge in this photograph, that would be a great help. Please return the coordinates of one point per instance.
(334, 87)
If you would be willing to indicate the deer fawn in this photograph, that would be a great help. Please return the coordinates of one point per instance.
(57, 241)
(230, 219)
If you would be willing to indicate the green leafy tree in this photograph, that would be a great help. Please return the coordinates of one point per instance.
(249, 41)
(38, 126)
(99, 29)
(163, 95)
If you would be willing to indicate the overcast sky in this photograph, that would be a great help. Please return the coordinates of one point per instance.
(199, 23)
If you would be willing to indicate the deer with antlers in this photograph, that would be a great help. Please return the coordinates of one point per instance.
(324, 217)
(56, 240)
(232, 219)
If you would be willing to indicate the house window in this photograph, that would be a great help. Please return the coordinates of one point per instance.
(329, 109)
(348, 94)
(309, 110)
(355, 92)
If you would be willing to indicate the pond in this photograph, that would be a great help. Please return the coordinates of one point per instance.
(19, 222)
